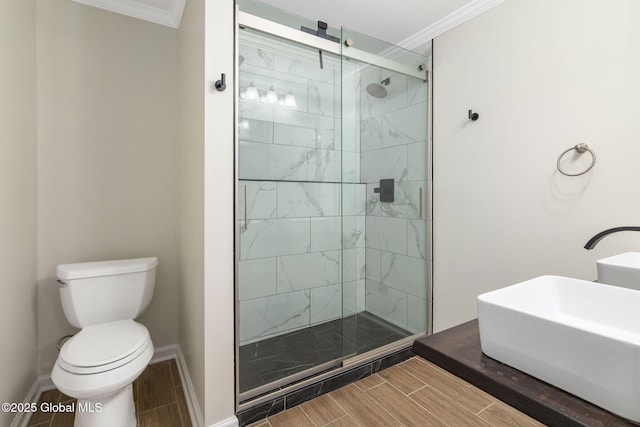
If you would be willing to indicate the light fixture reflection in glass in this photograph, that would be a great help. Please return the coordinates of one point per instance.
(290, 101)
(244, 124)
(251, 93)
(272, 96)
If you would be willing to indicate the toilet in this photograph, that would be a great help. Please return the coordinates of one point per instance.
(98, 365)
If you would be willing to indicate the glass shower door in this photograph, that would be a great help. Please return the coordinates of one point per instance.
(289, 212)
(384, 194)
(331, 202)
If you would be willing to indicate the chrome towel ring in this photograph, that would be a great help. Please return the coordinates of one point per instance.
(580, 148)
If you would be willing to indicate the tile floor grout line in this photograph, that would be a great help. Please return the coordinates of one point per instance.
(407, 394)
(305, 414)
(345, 409)
(415, 403)
(445, 372)
(158, 407)
(418, 389)
(338, 419)
(461, 407)
(379, 406)
(486, 407)
(375, 386)
(425, 409)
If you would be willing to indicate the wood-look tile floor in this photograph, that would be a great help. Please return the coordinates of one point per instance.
(413, 393)
(157, 394)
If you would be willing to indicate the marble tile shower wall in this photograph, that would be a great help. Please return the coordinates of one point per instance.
(393, 143)
(299, 172)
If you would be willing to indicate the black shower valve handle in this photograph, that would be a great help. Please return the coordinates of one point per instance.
(473, 116)
(386, 190)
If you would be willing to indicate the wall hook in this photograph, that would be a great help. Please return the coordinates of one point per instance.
(221, 84)
(473, 116)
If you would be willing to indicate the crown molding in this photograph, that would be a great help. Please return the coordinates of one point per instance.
(450, 21)
(169, 17)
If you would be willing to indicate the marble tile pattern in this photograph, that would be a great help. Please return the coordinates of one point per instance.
(294, 212)
(315, 241)
(301, 261)
(306, 143)
(393, 133)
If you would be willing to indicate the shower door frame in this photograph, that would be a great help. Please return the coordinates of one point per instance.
(288, 33)
(283, 386)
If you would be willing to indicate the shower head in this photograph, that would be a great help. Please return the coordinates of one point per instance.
(378, 90)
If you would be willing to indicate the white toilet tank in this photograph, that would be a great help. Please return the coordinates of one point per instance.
(106, 291)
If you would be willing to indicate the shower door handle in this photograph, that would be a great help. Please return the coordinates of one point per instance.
(246, 224)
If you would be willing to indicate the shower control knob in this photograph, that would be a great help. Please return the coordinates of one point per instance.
(348, 42)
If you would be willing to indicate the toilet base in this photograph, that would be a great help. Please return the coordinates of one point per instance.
(116, 409)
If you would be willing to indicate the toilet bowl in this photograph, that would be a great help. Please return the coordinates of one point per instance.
(98, 365)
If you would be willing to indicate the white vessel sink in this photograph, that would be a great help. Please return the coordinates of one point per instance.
(580, 336)
(620, 270)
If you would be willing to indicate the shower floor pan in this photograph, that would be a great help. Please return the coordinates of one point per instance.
(275, 358)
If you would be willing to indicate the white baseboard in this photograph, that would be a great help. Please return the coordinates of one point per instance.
(43, 383)
(229, 422)
(22, 418)
(187, 386)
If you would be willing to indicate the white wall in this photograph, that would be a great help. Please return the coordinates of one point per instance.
(206, 195)
(18, 309)
(543, 75)
(107, 132)
(219, 294)
(191, 194)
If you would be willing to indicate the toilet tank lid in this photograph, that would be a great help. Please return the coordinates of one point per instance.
(105, 268)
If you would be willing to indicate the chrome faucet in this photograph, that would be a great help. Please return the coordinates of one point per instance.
(595, 239)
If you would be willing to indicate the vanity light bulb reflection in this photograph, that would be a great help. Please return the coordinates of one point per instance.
(251, 93)
(272, 96)
(290, 101)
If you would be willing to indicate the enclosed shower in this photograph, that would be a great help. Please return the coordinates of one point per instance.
(332, 245)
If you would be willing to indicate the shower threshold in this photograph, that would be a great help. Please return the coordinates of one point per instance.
(273, 359)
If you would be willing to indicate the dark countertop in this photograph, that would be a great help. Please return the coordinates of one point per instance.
(458, 351)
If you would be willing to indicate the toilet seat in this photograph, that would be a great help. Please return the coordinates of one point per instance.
(104, 347)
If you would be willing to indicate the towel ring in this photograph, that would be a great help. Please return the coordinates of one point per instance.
(580, 148)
